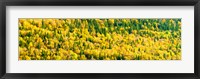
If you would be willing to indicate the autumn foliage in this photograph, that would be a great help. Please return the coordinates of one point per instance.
(99, 39)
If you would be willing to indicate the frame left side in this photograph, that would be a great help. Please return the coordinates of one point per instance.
(2, 39)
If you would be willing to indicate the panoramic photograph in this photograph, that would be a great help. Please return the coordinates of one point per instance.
(99, 39)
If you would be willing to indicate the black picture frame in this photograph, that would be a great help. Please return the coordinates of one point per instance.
(4, 3)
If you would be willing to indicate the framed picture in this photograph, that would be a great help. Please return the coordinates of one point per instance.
(129, 39)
